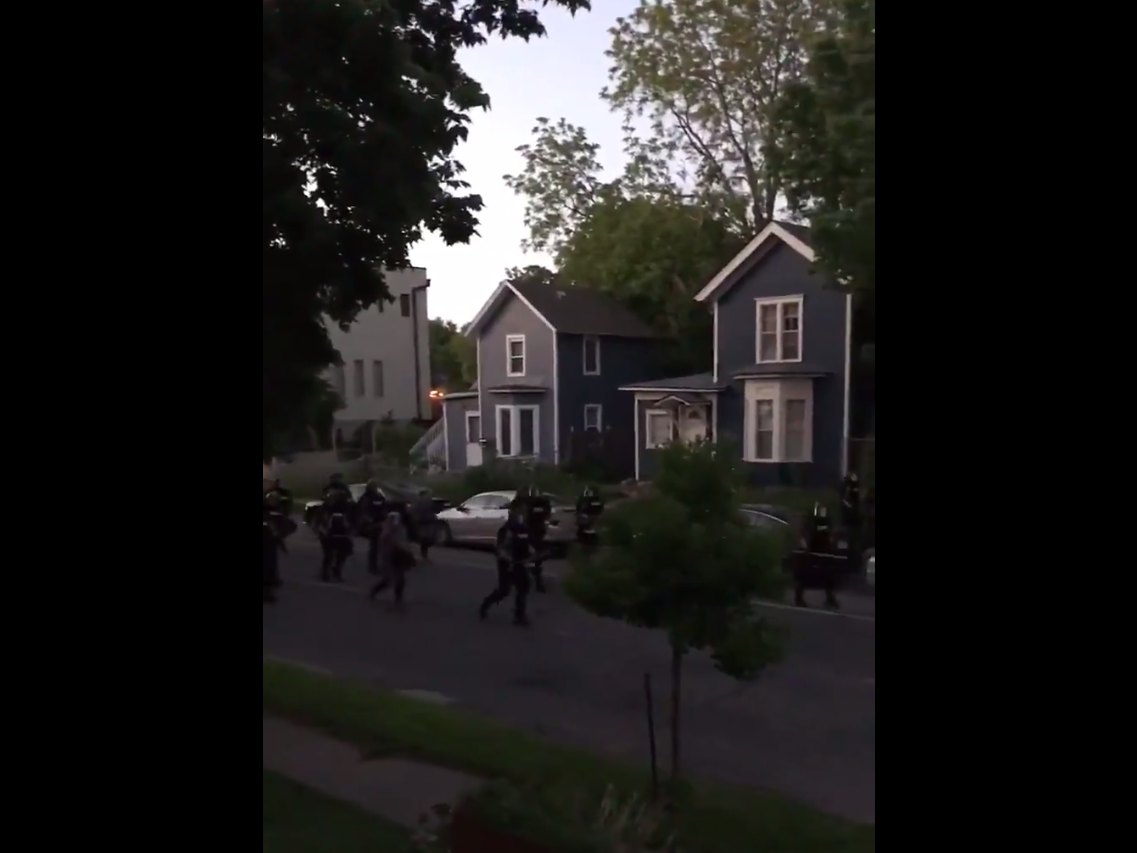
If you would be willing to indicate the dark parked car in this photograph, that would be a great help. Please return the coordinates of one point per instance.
(396, 493)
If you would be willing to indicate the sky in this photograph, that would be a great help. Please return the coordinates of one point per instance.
(558, 76)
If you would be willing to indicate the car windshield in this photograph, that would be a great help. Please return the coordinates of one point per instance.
(761, 520)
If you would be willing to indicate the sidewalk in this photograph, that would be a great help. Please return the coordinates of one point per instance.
(396, 790)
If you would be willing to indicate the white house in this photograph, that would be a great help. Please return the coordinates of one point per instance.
(386, 356)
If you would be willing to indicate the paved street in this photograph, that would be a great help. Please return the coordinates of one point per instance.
(808, 728)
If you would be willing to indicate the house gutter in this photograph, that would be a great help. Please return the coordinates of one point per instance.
(417, 347)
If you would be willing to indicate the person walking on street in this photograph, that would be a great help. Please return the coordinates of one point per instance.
(514, 552)
(395, 559)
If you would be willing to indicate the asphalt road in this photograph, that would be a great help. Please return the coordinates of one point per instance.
(807, 728)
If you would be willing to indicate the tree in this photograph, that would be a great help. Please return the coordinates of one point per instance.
(453, 356)
(683, 560)
(709, 74)
(532, 273)
(827, 157)
(362, 105)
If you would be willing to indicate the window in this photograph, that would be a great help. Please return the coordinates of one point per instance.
(473, 428)
(478, 502)
(339, 381)
(779, 329)
(660, 428)
(515, 352)
(794, 412)
(378, 388)
(591, 356)
(405, 304)
(593, 418)
(779, 421)
(359, 381)
(517, 431)
(764, 430)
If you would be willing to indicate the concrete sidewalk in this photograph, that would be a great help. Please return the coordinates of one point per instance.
(396, 790)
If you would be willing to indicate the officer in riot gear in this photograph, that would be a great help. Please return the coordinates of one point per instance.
(336, 484)
(589, 509)
(852, 518)
(372, 511)
(818, 565)
(270, 554)
(334, 530)
(538, 512)
(514, 550)
(279, 500)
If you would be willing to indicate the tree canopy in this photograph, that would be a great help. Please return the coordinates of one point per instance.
(363, 103)
(453, 357)
(827, 154)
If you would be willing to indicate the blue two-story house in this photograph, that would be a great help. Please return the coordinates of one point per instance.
(551, 361)
(781, 386)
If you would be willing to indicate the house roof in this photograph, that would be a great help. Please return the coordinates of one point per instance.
(797, 237)
(700, 383)
(781, 370)
(569, 309)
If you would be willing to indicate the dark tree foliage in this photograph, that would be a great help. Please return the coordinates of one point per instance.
(363, 103)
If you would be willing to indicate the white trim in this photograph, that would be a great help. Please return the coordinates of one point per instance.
(599, 416)
(639, 441)
(481, 383)
(777, 392)
(515, 431)
(476, 323)
(648, 415)
(556, 398)
(848, 384)
(510, 340)
(584, 352)
(715, 369)
(773, 229)
(715, 419)
(780, 302)
(481, 426)
(445, 436)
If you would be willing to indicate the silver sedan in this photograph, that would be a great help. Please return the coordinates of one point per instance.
(479, 520)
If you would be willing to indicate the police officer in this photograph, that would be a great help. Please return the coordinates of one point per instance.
(372, 511)
(395, 558)
(589, 508)
(270, 545)
(334, 529)
(538, 512)
(280, 501)
(818, 566)
(336, 484)
(514, 550)
(852, 518)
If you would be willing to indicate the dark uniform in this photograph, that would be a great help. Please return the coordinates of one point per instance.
(270, 550)
(589, 509)
(280, 499)
(514, 551)
(372, 511)
(538, 512)
(395, 558)
(334, 528)
(851, 516)
(818, 565)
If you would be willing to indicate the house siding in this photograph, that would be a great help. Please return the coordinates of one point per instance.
(456, 430)
(623, 361)
(783, 272)
(514, 318)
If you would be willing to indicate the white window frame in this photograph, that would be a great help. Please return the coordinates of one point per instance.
(781, 302)
(599, 410)
(779, 393)
(510, 340)
(358, 378)
(591, 339)
(657, 413)
(469, 417)
(515, 431)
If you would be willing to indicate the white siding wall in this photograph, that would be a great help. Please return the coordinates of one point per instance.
(389, 337)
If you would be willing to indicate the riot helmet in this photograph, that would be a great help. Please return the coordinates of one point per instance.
(372, 487)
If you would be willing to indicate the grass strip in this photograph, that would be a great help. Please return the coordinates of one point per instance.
(714, 818)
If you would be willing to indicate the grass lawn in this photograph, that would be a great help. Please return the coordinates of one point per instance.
(716, 819)
(298, 820)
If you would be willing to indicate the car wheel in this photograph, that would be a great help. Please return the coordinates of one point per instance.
(445, 536)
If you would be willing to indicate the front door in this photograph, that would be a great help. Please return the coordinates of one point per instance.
(473, 439)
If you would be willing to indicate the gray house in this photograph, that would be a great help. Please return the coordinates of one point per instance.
(781, 386)
(551, 361)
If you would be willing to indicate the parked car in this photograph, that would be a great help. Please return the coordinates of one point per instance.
(479, 520)
(312, 507)
(870, 569)
(394, 493)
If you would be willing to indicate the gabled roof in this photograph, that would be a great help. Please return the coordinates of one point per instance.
(570, 309)
(797, 237)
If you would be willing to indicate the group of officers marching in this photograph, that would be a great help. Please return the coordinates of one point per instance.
(392, 528)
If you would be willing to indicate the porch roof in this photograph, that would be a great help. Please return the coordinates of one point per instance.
(782, 370)
(518, 389)
(700, 383)
(685, 398)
